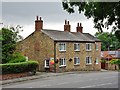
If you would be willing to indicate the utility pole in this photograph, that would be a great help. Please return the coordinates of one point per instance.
(108, 57)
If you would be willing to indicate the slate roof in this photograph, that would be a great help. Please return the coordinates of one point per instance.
(57, 35)
(112, 54)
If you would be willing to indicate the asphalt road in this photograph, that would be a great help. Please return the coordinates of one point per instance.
(76, 80)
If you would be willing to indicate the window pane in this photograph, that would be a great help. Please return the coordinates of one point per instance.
(62, 46)
(62, 61)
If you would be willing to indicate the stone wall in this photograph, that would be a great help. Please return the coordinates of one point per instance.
(70, 54)
(37, 46)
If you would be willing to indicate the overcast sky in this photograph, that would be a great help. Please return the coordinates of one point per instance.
(52, 13)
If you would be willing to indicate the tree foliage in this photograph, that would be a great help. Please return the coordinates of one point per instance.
(104, 14)
(108, 40)
(9, 39)
(116, 61)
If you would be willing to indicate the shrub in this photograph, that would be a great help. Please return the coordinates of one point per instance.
(28, 66)
(16, 58)
(103, 61)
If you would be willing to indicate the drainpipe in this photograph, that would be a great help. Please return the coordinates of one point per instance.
(54, 56)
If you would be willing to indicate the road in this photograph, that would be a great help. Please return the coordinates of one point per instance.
(76, 80)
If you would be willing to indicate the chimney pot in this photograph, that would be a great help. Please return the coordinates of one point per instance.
(65, 22)
(40, 18)
(68, 22)
(78, 24)
(36, 17)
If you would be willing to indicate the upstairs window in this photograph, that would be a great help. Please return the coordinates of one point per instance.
(88, 46)
(96, 61)
(88, 60)
(76, 61)
(62, 47)
(96, 46)
(76, 47)
(62, 62)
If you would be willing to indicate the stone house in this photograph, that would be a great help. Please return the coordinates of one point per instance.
(60, 51)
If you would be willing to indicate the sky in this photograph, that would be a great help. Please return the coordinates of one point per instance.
(52, 13)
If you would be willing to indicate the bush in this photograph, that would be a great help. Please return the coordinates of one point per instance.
(28, 66)
(16, 58)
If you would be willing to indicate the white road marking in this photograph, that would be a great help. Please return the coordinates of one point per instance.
(96, 85)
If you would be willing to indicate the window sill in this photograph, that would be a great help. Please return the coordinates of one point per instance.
(88, 50)
(62, 50)
(77, 64)
(88, 64)
(46, 67)
(77, 50)
(62, 66)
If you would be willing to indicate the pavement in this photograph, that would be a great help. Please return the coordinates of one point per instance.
(39, 75)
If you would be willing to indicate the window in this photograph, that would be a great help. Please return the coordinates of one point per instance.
(88, 46)
(26, 58)
(76, 61)
(62, 62)
(76, 47)
(62, 47)
(88, 60)
(46, 63)
(96, 46)
(96, 61)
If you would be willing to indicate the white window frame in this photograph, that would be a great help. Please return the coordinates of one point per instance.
(64, 47)
(26, 58)
(45, 65)
(77, 60)
(63, 62)
(88, 46)
(77, 45)
(96, 61)
(96, 46)
(88, 60)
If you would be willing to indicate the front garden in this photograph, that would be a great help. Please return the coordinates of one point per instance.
(13, 64)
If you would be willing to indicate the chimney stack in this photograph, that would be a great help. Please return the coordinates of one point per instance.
(38, 24)
(67, 26)
(79, 28)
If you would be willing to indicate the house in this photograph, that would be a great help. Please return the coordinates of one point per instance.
(61, 51)
(107, 56)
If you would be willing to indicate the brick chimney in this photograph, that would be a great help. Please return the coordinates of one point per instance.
(79, 28)
(67, 26)
(38, 24)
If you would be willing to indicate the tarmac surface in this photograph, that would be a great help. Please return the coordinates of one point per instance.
(39, 75)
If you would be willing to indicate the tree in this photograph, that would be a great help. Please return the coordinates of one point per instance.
(0, 46)
(9, 39)
(108, 39)
(117, 34)
(117, 62)
(104, 14)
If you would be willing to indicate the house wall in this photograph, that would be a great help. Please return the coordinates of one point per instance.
(70, 54)
(37, 46)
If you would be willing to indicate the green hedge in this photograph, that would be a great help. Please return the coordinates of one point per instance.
(16, 58)
(28, 66)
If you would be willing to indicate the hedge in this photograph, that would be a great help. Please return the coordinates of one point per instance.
(16, 58)
(10, 68)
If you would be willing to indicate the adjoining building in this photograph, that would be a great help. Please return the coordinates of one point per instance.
(107, 56)
(60, 51)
